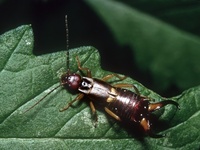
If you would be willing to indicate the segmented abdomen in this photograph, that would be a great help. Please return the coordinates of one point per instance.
(128, 105)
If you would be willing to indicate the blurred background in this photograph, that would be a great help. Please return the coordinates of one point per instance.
(86, 28)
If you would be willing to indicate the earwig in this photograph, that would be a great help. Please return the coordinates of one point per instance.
(119, 102)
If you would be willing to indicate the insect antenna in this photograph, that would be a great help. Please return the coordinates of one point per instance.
(67, 44)
(67, 63)
(42, 98)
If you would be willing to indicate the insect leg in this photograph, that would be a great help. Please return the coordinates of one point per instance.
(112, 114)
(156, 106)
(107, 77)
(145, 124)
(79, 97)
(94, 113)
(81, 68)
(147, 128)
(124, 85)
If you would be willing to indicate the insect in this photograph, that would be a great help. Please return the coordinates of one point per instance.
(117, 101)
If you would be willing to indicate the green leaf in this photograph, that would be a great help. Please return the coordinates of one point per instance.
(26, 78)
(169, 54)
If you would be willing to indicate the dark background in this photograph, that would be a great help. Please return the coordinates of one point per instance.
(47, 18)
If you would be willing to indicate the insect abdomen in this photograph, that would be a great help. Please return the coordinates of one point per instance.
(128, 105)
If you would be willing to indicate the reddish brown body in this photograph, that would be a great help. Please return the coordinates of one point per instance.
(129, 106)
(124, 103)
(120, 103)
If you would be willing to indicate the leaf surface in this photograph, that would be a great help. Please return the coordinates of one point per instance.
(26, 78)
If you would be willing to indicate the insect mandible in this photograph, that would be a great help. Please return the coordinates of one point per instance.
(118, 102)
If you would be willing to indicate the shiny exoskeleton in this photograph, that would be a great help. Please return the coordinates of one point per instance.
(120, 103)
